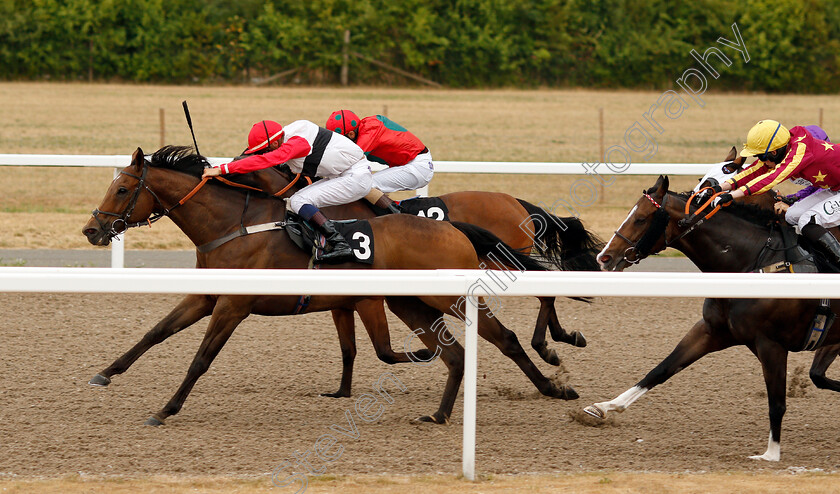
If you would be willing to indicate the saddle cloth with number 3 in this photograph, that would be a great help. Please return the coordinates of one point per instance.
(359, 235)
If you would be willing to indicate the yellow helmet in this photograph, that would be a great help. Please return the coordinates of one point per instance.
(765, 136)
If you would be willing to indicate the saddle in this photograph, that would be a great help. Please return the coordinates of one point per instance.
(358, 234)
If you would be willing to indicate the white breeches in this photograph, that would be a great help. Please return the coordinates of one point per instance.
(413, 175)
(823, 206)
(351, 185)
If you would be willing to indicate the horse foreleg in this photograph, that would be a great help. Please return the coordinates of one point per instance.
(699, 341)
(773, 358)
(422, 319)
(185, 314)
(823, 358)
(345, 325)
(227, 314)
(372, 314)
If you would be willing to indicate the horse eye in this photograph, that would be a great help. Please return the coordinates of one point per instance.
(122, 190)
(640, 221)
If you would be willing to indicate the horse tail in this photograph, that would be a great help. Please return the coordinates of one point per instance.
(489, 246)
(564, 242)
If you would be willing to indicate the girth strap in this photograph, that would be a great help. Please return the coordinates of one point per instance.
(248, 230)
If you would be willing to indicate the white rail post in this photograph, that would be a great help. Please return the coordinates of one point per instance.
(470, 376)
(118, 243)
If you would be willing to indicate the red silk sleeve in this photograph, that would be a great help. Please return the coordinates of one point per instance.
(294, 147)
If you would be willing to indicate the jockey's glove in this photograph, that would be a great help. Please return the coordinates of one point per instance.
(722, 200)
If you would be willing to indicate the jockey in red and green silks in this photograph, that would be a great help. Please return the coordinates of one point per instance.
(409, 161)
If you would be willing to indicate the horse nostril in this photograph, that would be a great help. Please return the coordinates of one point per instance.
(605, 259)
(89, 231)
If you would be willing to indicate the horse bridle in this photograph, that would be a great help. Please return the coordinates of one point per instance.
(659, 227)
(641, 249)
(122, 218)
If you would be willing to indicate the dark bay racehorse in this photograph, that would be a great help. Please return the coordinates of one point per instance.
(169, 185)
(825, 356)
(563, 242)
(736, 239)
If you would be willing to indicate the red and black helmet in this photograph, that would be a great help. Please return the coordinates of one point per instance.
(262, 134)
(343, 121)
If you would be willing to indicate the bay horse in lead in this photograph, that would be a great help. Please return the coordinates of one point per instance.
(736, 239)
(169, 184)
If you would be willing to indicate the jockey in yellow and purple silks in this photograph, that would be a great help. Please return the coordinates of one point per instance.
(797, 154)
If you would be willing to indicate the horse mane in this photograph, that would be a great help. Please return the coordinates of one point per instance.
(181, 159)
(748, 212)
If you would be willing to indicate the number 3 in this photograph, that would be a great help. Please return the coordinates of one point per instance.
(364, 244)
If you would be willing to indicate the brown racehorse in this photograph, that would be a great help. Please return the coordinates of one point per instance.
(824, 356)
(562, 242)
(169, 185)
(736, 239)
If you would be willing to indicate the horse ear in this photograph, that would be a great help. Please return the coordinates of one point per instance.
(662, 185)
(137, 158)
(733, 153)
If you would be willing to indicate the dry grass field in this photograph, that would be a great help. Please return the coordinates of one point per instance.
(46, 207)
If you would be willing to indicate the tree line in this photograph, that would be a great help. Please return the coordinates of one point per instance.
(793, 45)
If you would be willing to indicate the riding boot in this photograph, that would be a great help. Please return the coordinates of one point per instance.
(824, 240)
(381, 201)
(385, 202)
(340, 248)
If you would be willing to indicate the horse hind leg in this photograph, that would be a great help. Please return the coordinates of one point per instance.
(492, 330)
(345, 326)
(538, 342)
(823, 358)
(422, 319)
(575, 338)
(372, 314)
(189, 311)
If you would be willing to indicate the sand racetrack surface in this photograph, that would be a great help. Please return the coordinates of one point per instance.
(259, 403)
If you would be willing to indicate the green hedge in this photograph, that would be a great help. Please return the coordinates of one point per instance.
(793, 44)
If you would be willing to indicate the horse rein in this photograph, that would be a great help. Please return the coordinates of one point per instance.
(692, 220)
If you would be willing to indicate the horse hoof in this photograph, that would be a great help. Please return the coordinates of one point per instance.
(595, 412)
(99, 380)
(569, 393)
(553, 358)
(337, 394)
(580, 341)
(431, 419)
(153, 421)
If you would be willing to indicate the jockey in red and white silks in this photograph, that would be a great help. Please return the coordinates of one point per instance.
(315, 152)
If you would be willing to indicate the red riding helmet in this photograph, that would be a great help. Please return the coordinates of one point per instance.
(262, 134)
(343, 121)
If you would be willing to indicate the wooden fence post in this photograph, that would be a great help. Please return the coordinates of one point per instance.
(162, 129)
(345, 58)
